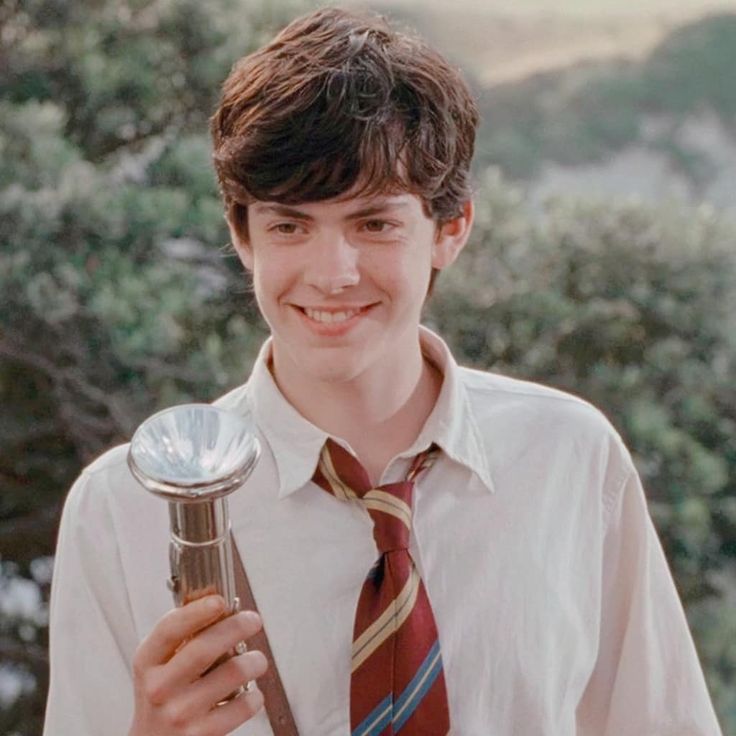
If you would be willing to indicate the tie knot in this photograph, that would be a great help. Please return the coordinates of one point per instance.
(389, 505)
(390, 509)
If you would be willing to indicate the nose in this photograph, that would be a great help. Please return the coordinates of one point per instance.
(333, 264)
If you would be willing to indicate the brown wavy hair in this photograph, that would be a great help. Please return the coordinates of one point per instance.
(340, 100)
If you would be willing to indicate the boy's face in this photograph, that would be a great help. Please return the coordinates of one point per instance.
(341, 282)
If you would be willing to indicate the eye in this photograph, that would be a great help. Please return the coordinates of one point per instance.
(376, 226)
(284, 228)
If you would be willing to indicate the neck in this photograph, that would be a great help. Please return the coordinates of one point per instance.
(379, 413)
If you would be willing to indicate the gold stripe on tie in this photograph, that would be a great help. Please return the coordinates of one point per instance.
(382, 501)
(340, 490)
(427, 462)
(389, 621)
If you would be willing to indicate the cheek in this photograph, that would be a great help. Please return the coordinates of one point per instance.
(411, 273)
(402, 266)
(270, 275)
(268, 288)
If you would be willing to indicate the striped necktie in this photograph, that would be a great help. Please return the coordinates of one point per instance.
(397, 684)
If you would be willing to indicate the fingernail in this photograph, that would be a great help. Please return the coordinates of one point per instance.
(215, 604)
(252, 617)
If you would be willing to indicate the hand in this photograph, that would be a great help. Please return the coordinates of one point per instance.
(173, 695)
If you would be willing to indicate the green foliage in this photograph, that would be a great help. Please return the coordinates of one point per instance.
(634, 309)
(715, 624)
(691, 68)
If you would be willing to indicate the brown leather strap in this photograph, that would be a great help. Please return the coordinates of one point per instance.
(277, 706)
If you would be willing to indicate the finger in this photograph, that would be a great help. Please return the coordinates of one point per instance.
(225, 679)
(177, 626)
(209, 645)
(226, 718)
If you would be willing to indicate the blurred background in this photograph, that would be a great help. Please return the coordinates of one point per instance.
(603, 262)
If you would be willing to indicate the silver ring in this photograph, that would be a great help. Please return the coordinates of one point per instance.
(240, 648)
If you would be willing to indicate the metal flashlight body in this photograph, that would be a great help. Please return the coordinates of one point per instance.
(194, 456)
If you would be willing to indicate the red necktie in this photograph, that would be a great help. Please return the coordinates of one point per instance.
(397, 684)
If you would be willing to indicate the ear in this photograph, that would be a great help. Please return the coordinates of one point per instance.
(452, 236)
(242, 246)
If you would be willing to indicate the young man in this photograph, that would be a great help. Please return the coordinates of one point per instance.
(433, 549)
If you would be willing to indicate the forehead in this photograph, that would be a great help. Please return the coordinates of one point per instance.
(346, 204)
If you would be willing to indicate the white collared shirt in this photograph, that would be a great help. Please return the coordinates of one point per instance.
(556, 612)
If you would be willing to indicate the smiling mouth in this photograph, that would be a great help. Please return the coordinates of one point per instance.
(331, 317)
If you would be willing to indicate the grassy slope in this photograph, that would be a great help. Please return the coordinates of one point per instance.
(585, 112)
(577, 83)
(500, 41)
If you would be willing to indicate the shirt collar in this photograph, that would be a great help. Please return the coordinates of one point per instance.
(296, 443)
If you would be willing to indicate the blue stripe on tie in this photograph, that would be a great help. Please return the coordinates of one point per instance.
(377, 720)
(416, 690)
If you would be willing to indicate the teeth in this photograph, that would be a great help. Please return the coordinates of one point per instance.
(329, 317)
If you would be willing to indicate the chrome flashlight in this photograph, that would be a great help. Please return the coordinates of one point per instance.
(194, 456)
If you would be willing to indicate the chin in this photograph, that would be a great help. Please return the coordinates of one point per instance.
(340, 370)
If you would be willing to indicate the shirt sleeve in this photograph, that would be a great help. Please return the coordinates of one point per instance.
(647, 678)
(91, 628)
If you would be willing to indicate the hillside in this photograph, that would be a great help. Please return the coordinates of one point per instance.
(661, 127)
(589, 99)
(499, 41)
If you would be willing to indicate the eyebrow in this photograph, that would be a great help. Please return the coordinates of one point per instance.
(373, 209)
(281, 210)
(377, 208)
